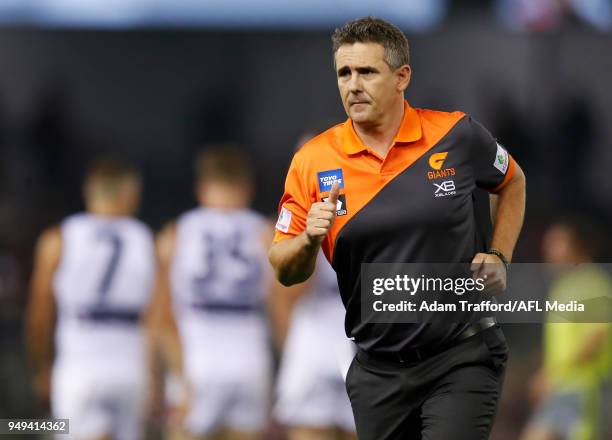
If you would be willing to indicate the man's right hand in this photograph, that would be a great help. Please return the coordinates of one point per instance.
(321, 217)
(294, 259)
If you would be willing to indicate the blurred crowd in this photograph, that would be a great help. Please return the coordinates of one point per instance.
(413, 15)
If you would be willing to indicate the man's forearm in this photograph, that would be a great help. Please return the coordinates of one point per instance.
(509, 216)
(293, 259)
(39, 346)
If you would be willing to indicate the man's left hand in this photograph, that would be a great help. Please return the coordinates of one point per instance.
(492, 270)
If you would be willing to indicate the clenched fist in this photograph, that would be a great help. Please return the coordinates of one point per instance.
(490, 268)
(321, 216)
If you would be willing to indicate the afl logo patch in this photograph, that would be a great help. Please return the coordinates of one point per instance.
(501, 160)
(284, 220)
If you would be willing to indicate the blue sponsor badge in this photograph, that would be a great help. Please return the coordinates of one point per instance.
(327, 179)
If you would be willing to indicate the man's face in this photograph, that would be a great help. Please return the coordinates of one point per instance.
(368, 87)
(558, 246)
(129, 196)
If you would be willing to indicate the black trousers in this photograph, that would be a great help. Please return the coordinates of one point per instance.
(452, 395)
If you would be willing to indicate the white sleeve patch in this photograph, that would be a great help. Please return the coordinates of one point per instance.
(284, 220)
(502, 160)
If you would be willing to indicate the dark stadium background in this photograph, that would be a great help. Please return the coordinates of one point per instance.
(157, 95)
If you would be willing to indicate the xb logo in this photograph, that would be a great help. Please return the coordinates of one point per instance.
(436, 160)
(447, 185)
(446, 188)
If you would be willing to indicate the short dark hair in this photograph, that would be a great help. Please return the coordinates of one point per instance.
(106, 176)
(375, 30)
(224, 163)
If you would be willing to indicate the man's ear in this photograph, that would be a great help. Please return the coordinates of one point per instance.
(403, 75)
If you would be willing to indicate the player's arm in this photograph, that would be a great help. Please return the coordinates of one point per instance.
(279, 299)
(592, 344)
(162, 323)
(163, 327)
(155, 370)
(294, 259)
(507, 213)
(163, 331)
(281, 302)
(493, 207)
(41, 314)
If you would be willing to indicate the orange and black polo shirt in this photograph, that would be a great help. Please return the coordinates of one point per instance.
(416, 205)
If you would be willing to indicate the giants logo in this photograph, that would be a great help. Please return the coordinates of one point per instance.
(436, 161)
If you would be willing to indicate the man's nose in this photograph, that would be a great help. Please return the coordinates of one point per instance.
(355, 83)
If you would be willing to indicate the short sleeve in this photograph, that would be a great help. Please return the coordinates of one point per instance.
(294, 204)
(492, 165)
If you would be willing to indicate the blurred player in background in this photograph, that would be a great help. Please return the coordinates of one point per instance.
(213, 264)
(577, 364)
(91, 285)
(312, 399)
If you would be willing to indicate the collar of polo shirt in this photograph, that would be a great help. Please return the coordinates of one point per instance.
(409, 131)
